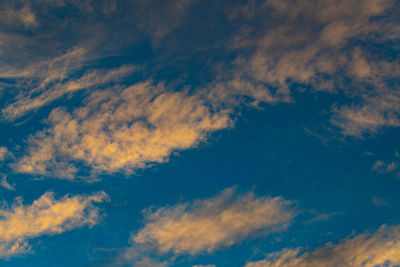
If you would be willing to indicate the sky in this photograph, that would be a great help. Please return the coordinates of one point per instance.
(248, 133)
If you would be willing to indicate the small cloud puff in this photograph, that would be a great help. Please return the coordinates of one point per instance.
(381, 166)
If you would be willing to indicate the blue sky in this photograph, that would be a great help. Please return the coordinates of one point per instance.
(258, 133)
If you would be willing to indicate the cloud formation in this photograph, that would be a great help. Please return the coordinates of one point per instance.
(326, 46)
(122, 129)
(380, 248)
(382, 167)
(53, 78)
(11, 15)
(317, 44)
(46, 216)
(4, 183)
(3, 152)
(208, 224)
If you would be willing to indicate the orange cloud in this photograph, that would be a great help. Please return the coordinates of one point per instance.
(122, 129)
(46, 216)
(209, 224)
(381, 248)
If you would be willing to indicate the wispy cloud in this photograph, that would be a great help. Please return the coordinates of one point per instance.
(382, 167)
(55, 83)
(380, 248)
(320, 217)
(5, 184)
(3, 152)
(386, 166)
(15, 16)
(208, 224)
(317, 44)
(379, 202)
(375, 112)
(122, 129)
(158, 23)
(45, 216)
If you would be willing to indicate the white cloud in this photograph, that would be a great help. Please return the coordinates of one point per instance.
(209, 224)
(381, 248)
(45, 216)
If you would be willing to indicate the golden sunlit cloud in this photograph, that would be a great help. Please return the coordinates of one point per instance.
(209, 224)
(314, 47)
(381, 248)
(122, 130)
(50, 80)
(3, 152)
(46, 216)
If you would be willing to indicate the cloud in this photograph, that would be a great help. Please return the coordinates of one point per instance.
(383, 167)
(315, 44)
(209, 224)
(122, 129)
(158, 22)
(56, 84)
(5, 184)
(3, 152)
(375, 112)
(380, 248)
(13, 16)
(45, 216)
(320, 217)
(323, 45)
(378, 202)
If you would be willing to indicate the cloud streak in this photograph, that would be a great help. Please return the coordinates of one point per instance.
(51, 79)
(380, 248)
(209, 224)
